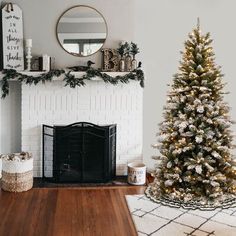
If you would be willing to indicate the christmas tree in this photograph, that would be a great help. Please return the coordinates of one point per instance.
(196, 168)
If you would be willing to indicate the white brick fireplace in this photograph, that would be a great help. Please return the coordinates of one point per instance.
(97, 102)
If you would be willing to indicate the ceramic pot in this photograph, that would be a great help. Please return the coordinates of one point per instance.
(136, 173)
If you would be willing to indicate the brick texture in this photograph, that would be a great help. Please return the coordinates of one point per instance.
(99, 103)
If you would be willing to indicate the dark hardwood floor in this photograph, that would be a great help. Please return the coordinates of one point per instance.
(85, 211)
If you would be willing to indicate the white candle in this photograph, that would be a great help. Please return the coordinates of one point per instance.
(28, 43)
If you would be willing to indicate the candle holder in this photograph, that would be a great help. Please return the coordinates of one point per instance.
(28, 53)
(28, 58)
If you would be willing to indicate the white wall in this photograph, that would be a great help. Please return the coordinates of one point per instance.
(159, 26)
(10, 120)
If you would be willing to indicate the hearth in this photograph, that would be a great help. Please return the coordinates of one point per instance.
(81, 152)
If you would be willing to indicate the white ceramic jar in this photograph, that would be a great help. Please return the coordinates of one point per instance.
(136, 173)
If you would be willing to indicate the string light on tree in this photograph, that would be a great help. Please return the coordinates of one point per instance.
(197, 169)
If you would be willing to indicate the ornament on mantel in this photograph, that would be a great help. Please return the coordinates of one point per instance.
(125, 50)
(110, 60)
(139, 65)
(35, 63)
(134, 50)
(121, 51)
(82, 68)
(45, 63)
(11, 31)
(128, 59)
(28, 46)
(196, 168)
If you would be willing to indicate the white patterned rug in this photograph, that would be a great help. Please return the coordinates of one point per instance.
(154, 219)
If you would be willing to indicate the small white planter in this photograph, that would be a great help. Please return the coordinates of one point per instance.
(136, 173)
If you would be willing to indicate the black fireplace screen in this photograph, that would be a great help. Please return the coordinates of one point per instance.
(80, 152)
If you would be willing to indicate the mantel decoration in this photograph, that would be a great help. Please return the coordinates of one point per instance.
(125, 49)
(82, 68)
(110, 60)
(81, 30)
(70, 79)
(196, 169)
(128, 58)
(28, 45)
(134, 50)
(11, 38)
(121, 50)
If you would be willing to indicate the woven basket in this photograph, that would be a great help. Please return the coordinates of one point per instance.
(17, 172)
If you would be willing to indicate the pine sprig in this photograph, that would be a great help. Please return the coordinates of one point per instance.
(70, 79)
(134, 49)
(121, 49)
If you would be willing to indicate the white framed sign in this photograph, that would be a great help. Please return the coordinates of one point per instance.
(12, 37)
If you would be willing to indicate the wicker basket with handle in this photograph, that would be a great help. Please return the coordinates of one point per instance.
(17, 172)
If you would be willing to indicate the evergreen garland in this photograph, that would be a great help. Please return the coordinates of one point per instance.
(70, 79)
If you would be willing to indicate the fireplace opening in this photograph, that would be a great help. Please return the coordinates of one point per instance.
(81, 152)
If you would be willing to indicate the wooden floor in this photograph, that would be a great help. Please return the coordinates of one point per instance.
(67, 211)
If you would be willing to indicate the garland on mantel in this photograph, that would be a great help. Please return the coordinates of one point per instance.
(70, 79)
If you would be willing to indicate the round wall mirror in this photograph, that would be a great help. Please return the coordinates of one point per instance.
(81, 31)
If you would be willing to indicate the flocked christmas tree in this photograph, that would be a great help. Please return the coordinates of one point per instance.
(195, 168)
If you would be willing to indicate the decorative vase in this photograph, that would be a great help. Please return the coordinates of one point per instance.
(133, 64)
(128, 62)
(122, 64)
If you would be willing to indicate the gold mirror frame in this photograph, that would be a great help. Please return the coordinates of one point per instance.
(69, 10)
